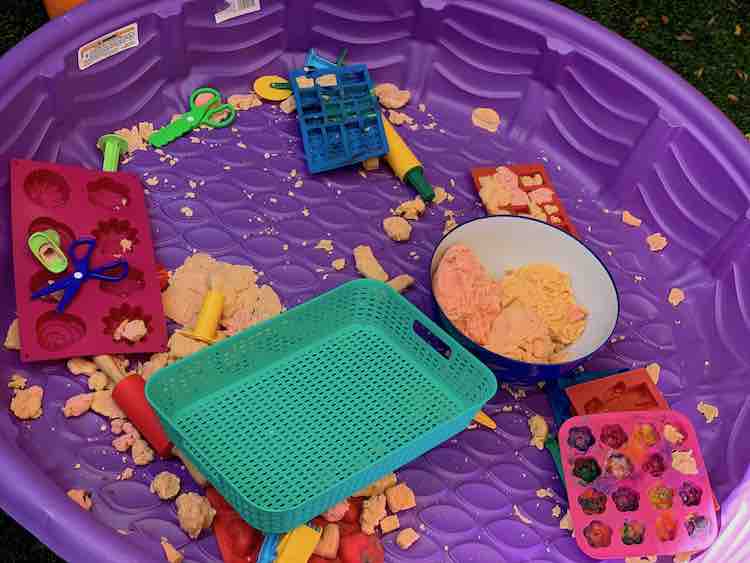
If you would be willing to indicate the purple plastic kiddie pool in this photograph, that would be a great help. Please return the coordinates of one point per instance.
(616, 130)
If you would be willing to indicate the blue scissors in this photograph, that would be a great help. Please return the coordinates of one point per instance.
(82, 272)
(211, 113)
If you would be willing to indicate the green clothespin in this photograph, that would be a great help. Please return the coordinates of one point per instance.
(45, 246)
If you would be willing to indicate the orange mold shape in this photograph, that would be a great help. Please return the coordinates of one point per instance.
(559, 218)
(629, 391)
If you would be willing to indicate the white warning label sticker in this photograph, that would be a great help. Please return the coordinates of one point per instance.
(108, 45)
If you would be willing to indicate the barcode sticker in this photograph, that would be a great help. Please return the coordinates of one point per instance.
(237, 8)
(108, 45)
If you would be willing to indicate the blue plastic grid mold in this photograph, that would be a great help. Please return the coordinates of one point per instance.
(341, 125)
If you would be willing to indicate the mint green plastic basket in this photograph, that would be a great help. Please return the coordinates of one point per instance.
(295, 414)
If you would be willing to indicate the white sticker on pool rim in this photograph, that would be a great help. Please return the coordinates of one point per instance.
(237, 8)
(107, 46)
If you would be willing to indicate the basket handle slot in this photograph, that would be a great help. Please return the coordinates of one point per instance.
(433, 341)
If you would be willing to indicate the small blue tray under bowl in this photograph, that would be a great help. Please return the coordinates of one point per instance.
(295, 414)
(341, 125)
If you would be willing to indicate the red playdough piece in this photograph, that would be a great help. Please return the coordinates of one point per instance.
(361, 548)
(130, 396)
(319, 559)
(238, 541)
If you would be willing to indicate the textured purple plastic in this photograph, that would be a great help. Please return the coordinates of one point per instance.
(615, 129)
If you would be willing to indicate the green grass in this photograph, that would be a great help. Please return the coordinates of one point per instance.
(710, 61)
(716, 61)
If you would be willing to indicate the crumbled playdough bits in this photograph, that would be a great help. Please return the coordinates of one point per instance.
(656, 242)
(684, 462)
(654, 370)
(486, 118)
(710, 412)
(630, 219)
(676, 296)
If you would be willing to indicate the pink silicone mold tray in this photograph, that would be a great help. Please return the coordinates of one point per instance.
(78, 203)
(627, 497)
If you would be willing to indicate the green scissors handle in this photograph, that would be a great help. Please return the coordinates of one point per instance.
(211, 113)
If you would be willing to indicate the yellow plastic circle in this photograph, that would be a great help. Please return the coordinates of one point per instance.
(262, 87)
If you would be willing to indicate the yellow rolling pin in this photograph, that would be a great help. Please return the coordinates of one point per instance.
(404, 164)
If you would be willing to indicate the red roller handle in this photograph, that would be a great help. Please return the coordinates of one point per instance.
(130, 396)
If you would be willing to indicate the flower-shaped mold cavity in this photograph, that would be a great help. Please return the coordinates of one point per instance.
(598, 534)
(42, 279)
(626, 499)
(654, 465)
(586, 469)
(661, 497)
(67, 236)
(108, 194)
(695, 524)
(619, 466)
(116, 315)
(666, 527)
(581, 438)
(46, 189)
(593, 501)
(633, 533)
(57, 331)
(690, 494)
(110, 235)
(613, 436)
(646, 434)
(133, 283)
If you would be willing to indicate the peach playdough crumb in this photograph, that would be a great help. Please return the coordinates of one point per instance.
(245, 101)
(126, 474)
(142, 452)
(165, 485)
(289, 105)
(154, 364)
(539, 431)
(81, 498)
(653, 370)
(684, 462)
(78, 405)
(194, 513)
(371, 164)
(390, 96)
(411, 209)
(17, 381)
(673, 435)
(397, 228)
(328, 544)
(630, 219)
(406, 538)
(500, 190)
(12, 337)
(399, 117)
(373, 511)
(389, 523)
(401, 283)
(676, 296)
(132, 331)
(709, 411)
(486, 118)
(170, 552)
(378, 486)
(368, 265)
(339, 264)
(327, 80)
(656, 242)
(400, 497)
(105, 405)
(78, 366)
(27, 403)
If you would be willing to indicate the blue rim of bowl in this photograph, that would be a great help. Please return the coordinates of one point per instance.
(502, 358)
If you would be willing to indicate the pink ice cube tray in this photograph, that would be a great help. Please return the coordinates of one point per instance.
(630, 494)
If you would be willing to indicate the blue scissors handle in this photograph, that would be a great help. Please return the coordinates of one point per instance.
(82, 271)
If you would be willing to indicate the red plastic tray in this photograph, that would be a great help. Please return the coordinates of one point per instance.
(629, 391)
(77, 202)
(530, 170)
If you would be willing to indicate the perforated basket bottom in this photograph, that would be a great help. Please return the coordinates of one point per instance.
(378, 416)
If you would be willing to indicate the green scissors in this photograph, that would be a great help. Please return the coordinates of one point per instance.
(210, 112)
